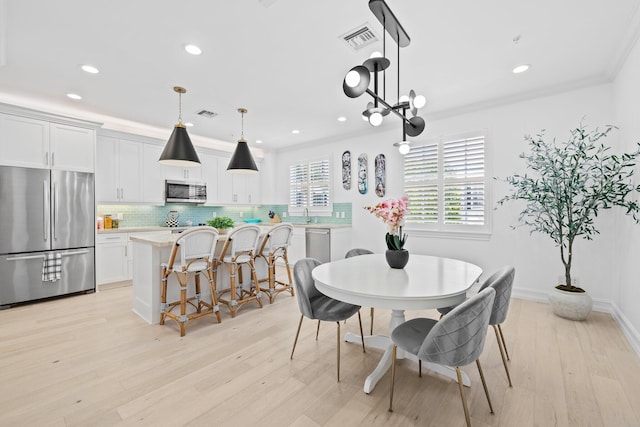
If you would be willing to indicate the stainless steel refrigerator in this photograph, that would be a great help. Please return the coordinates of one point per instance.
(47, 221)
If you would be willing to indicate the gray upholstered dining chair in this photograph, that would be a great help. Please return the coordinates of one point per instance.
(356, 252)
(457, 339)
(315, 305)
(502, 282)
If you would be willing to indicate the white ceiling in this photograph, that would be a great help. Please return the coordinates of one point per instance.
(284, 61)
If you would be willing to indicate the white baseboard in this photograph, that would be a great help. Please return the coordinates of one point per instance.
(603, 306)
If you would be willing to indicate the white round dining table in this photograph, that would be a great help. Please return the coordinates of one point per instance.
(426, 282)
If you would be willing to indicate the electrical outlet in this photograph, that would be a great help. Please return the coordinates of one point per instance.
(284, 214)
(120, 216)
(214, 214)
(337, 214)
(342, 215)
(241, 214)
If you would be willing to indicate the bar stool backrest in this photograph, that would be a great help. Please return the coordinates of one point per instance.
(278, 237)
(196, 244)
(242, 240)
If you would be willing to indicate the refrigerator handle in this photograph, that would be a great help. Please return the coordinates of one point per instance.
(45, 209)
(25, 257)
(55, 210)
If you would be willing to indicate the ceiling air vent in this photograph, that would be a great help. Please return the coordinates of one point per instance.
(206, 113)
(360, 37)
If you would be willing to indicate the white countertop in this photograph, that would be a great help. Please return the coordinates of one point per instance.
(260, 224)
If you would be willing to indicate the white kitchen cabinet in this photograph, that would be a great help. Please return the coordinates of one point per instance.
(34, 143)
(72, 148)
(175, 173)
(210, 177)
(152, 178)
(111, 258)
(225, 182)
(118, 170)
(234, 188)
(297, 248)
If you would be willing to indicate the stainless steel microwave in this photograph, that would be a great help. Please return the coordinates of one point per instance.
(185, 192)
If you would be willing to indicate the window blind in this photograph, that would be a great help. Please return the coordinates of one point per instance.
(445, 183)
(310, 186)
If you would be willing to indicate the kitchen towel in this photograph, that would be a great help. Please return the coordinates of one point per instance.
(51, 267)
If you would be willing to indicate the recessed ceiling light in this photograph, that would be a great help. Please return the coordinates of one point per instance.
(258, 141)
(74, 96)
(342, 119)
(295, 131)
(520, 69)
(193, 49)
(90, 69)
(188, 124)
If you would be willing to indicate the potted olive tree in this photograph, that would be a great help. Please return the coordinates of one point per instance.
(569, 185)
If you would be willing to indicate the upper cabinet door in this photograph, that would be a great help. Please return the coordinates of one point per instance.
(210, 176)
(72, 148)
(24, 142)
(39, 144)
(107, 185)
(118, 170)
(152, 179)
(225, 182)
(130, 170)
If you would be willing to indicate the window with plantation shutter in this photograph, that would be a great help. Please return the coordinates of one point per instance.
(310, 187)
(445, 181)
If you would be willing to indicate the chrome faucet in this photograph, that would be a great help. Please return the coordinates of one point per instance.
(306, 212)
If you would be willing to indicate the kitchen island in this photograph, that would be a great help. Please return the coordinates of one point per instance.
(150, 250)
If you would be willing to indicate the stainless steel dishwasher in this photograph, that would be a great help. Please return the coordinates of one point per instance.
(318, 243)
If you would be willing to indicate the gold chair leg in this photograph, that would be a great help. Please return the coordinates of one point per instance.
(371, 332)
(295, 341)
(317, 330)
(504, 344)
(464, 399)
(504, 360)
(338, 349)
(361, 333)
(393, 376)
(484, 384)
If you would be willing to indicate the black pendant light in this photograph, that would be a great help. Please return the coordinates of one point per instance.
(179, 150)
(242, 160)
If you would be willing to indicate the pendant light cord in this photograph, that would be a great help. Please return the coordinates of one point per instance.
(180, 107)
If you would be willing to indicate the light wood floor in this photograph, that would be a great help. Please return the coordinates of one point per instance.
(89, 361)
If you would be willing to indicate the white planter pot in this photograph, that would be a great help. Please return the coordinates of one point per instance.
(570, 305)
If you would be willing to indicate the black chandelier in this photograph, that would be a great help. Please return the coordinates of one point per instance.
(357, 80)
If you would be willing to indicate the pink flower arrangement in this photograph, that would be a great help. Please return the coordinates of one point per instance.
(392, 212)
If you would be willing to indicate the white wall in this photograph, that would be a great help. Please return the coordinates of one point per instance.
(536, 259)
(626, 93)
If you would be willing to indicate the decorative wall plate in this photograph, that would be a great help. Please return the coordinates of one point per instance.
(346, 170)
(363, 170)
(380, 171)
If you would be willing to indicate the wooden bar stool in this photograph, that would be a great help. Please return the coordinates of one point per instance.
(196, 249)
(274, 246)
(238, 250)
